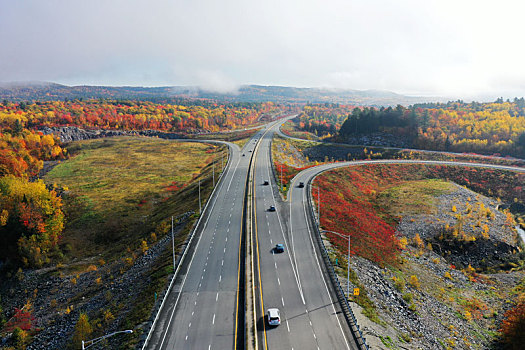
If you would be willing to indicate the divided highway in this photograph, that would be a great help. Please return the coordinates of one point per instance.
(200, 309)
(293, 281)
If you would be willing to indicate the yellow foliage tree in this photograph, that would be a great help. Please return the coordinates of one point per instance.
(82, 330)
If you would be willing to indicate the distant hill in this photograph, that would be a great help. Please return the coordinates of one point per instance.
(43, 91)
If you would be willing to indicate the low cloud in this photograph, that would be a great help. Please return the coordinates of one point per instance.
(438, 47)
(216, 81)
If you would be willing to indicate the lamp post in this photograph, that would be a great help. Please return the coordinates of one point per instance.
(96, 340)
(347, 261)
(281, 177)
(173, 244)
(318, 205)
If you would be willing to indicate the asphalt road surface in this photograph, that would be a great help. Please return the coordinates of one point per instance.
(292, 281)
(200, 309)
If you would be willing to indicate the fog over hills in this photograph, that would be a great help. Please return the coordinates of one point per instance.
(46, 91)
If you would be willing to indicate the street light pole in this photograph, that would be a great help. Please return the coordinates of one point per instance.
(318, 205)
(200, 209)
(347, 260)
(96, 340)
(173, 243)
(281, 177)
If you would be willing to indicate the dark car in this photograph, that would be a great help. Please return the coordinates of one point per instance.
(266, 183)
(301, 184)
(272, 208)
(279, 248)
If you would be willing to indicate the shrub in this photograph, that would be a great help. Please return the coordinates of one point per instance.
(414, 282)
(399, 284)
(408, 297)
(403, 242)
(20, 338)
(144, 246)
(468, 315)
(418, 242)
(108, 316)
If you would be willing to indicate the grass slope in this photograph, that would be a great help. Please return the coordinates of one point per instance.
(119, 196)
(115, 186)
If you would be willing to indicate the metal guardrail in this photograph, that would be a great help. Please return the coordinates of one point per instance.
(341, 296)
(181, 257)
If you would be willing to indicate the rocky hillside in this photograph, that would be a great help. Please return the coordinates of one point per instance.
(442, 296)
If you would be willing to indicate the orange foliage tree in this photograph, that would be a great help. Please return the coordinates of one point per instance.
(513, 327)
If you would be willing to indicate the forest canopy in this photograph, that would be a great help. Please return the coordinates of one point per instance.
(488, 128)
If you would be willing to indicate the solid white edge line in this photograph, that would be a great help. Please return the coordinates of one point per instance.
(191, 261)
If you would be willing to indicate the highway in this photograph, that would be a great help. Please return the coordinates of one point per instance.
(293, 281)
(200, 309)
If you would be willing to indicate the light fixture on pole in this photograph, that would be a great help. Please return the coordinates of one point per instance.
(96, 340)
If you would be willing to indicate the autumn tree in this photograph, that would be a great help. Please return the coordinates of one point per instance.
(82, 330)
(513, 327)
(31, 220)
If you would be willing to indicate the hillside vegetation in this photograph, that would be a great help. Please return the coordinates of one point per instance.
(438, 264)
(485, 128)
(115, 186)
(187, 117)
(87, 245)
(113, 256)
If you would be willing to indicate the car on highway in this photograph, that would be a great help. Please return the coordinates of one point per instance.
(301, 184)
(274, 317)
(266, 183)
(279, 248)
(272, 208)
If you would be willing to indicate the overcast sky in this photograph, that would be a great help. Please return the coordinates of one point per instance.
(456, 48)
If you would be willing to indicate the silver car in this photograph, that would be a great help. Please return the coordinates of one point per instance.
(274, 317)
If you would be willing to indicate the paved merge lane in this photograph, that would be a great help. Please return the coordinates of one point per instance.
(302, 233)
(200, 309)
